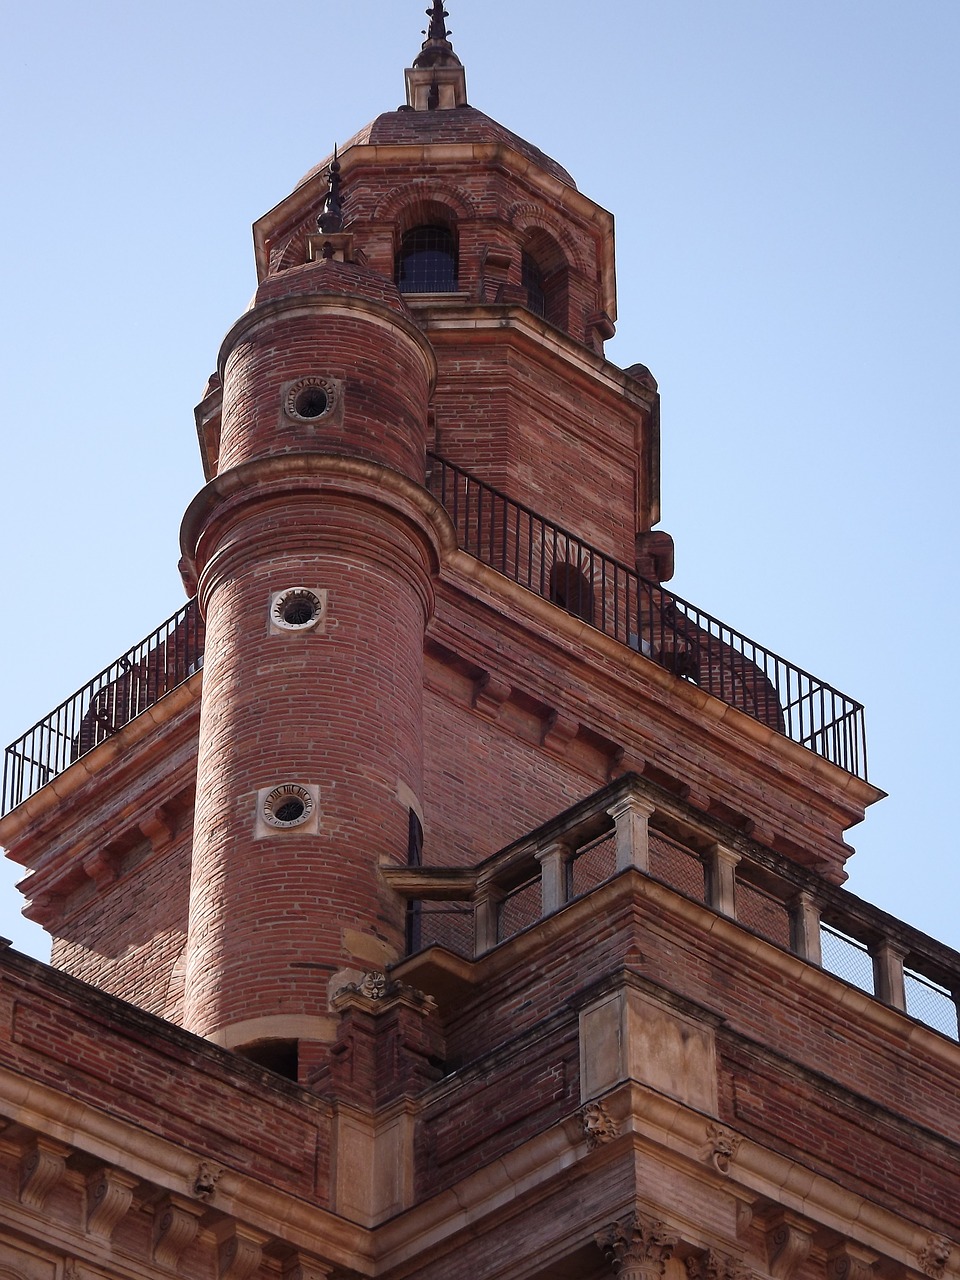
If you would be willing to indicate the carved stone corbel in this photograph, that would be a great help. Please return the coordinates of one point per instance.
(788, 1244)
(175, 1226)
(304, 1267)
(849, 1262)
(637, 1247)
(109, 1196)
(43, 1165)
(159, 828)
(934, 1256)
(240, 1251)
(489, 695)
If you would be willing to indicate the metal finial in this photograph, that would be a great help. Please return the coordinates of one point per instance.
(330, 220)
(438, 28)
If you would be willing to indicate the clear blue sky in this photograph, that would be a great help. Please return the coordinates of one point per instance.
(785, 183)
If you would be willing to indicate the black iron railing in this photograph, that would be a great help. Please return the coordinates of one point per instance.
(136, 681)
(554, 563)
(541, 556)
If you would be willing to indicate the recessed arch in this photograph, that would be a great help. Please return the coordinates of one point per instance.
(545, 277)
(527, 218)
(419, 202)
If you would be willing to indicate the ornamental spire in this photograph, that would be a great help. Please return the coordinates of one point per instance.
(437, 51)
(330, 220)
(436, 81)
(438, 27)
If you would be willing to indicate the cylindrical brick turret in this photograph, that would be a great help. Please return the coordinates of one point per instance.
(314, 551)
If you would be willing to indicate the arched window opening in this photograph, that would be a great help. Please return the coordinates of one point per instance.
(571, 590)
(544, 276)
(427, 261)
(532, 281)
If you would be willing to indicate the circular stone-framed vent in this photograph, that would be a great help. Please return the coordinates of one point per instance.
(298, 609)
(310, 399)
(289, 805)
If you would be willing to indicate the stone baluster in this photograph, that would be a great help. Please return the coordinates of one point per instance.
(632, 815)
(805, 928)
(554, 860)
(721, 864)
(486, 917)
(888, 973)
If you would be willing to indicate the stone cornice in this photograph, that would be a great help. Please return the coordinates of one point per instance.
(538, 617)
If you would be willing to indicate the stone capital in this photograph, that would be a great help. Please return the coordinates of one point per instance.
(637, 1247)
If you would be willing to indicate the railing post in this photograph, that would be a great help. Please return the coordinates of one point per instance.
(721, 864)
(888, 973)
(805, 928)
(632, 816)
(486, 917)
(553, 876)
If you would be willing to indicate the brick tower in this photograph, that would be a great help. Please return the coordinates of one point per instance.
(437, 894)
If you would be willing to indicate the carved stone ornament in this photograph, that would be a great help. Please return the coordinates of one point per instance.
(374, 986)
(42, 1167)
(848, 1262)
(174, 1228)
(205, 1180)
(710, 1265)
(638, 1247)
(599, 1127)
(934, 1256)
(240, 1253)
(109, 1196)
(787, 1246)
(722, 1147)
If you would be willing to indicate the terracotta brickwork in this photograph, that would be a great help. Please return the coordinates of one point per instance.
(430, 930)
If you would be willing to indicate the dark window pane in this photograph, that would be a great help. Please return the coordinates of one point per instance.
(427, 261)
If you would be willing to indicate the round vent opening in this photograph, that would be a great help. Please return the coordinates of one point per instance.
(309, 399)
(297, 609)
(311, 402)
(289, 805)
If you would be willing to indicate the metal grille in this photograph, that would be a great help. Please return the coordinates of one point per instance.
(519, 910)
(930, 1003)
(763, 913)
(443, 924)
(532, 281)
(136, 681)
(847, 958)
(593, 864)
(427, 261)
(678, 866)
(695, 646)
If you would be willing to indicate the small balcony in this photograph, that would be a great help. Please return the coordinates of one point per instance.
(635, 825)
(557, 565)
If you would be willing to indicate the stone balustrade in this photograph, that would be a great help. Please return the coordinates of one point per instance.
(635, 824)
